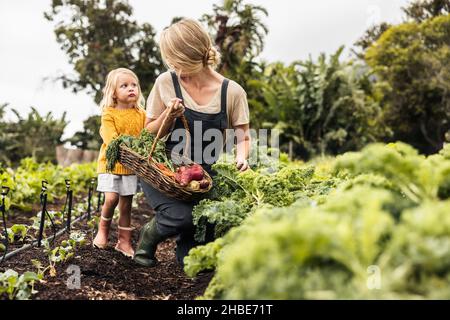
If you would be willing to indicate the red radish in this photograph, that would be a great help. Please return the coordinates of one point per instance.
(186, 174)
(182, 176)
(196, 172)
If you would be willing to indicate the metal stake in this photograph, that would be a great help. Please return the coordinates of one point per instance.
(5, 191)
(43, 198)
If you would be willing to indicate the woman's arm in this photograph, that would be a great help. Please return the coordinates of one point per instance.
(153, 125)
(242, 133)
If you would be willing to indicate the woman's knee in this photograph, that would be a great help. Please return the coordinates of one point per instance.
(186, 222)
(179, 216)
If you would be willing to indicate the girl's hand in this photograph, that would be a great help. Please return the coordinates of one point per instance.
(177, 109)
(242, 164)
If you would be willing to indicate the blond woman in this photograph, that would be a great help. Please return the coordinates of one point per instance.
(210, 103)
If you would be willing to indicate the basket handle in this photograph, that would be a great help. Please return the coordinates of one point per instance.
(158, 135)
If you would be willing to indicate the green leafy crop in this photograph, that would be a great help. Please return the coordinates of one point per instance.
(141, 145)
(373, 224)
(17, 286)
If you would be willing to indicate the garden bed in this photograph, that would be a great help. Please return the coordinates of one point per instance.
(106, 274)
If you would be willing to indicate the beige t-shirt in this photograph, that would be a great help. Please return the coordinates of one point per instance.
(163, 91)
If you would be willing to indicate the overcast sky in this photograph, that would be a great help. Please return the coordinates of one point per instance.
(29, 52)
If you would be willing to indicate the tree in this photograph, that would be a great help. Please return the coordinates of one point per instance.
(411, 61)
(99, 36)
(370, 36)
(238, 31)
(421, 10)
(34, 136)
(89, 138)
(321, 106)
(417, 11)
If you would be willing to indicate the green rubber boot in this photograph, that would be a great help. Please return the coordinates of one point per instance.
(147, 244)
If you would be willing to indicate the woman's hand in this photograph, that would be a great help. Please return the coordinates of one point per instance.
(241, 164)
(164, 121)
(177, 108)
(242, 133)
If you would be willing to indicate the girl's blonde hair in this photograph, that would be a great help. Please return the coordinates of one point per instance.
(187, 47)
(108, 99)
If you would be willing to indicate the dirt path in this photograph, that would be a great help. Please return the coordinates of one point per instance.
(106, 274)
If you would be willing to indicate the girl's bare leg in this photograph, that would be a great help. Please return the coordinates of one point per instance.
(125, 204)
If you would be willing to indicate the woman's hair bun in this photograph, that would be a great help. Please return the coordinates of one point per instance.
(212, 57)
(187, 47)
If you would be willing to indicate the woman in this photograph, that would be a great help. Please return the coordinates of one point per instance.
(209, 102)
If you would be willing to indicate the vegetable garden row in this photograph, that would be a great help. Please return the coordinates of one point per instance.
(373, 224)
(49, 189)
(42, 272)
(368, 224)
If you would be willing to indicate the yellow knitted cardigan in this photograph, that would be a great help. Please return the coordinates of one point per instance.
(115, 122)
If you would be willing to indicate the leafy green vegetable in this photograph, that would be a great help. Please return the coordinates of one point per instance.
(17, 232)
(383, 208)
(25, 181)
(236, 194)
(141, 145)
(224, 214)
(17, 286)
(62, 253)
(419, 178)
(203, 258)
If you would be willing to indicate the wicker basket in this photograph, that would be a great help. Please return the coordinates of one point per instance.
(147, 170)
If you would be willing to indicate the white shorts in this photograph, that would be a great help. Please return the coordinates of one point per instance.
(125, 185)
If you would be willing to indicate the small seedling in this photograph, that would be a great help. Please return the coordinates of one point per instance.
(64, 252)
(17, 286)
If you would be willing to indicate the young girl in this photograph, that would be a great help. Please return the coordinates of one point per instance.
(122, 113)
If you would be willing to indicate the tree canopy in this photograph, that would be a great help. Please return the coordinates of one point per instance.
(100, 35)
(411, 61)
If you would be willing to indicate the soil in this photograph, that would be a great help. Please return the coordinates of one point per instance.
(107, 274)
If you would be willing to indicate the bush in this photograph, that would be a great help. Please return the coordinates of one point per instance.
(411, 61)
